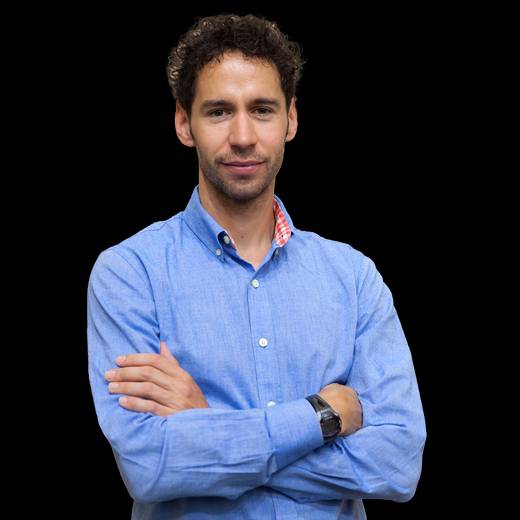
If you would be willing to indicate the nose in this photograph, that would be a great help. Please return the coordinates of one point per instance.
(242, 131)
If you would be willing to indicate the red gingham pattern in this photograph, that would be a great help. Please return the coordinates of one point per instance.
(282, 230)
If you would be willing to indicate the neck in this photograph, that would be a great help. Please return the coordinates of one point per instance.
(250, 224)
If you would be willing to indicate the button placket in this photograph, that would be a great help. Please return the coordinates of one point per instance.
(262, 335)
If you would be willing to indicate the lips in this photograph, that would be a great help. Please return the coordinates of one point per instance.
(246, 163)
(245, 167)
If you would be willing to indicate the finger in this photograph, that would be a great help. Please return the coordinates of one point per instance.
(144, 390)
(145, 405)
(154, 360)
(141, 374)
(165, 351)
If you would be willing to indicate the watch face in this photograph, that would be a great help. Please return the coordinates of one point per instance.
(329, 424)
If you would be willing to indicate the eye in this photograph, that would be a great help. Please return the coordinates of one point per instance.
(217, 113)
(263, 111)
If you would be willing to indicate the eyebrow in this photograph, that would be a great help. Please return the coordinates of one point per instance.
(214, 103)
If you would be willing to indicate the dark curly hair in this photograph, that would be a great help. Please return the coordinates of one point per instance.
(210, 37)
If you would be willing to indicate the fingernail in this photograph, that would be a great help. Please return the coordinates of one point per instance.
(120, 359)
(109, 374)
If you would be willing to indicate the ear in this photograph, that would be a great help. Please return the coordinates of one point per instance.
(182, 126)
(293, 120)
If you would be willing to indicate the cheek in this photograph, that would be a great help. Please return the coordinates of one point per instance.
(212, 139)
(273, 135)
(273, 142)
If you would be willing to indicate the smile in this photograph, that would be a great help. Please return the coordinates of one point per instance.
(241, 168)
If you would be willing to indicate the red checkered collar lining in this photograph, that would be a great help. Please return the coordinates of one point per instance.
(282, 230)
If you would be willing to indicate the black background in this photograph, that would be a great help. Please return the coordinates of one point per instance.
(377, 162)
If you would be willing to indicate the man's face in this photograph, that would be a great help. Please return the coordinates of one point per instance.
(239, 116)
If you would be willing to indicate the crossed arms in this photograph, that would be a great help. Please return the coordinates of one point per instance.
(195, 450)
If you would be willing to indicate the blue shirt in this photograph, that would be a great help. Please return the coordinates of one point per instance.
(257, 342)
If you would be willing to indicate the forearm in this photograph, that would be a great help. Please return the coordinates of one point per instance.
(380, 461)
(196, 452)
(211, 452)
(204, 451)
(384, 458)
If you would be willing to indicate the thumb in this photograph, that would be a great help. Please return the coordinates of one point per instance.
(165, 351)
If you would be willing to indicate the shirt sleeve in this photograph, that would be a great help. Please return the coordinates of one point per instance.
(383, 459)
(195, 452)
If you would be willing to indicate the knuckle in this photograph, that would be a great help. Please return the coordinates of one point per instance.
(185, 390)
(183, 374)
(148, 388)
(189, 380)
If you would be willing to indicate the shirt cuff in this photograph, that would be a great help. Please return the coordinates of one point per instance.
(295, 430)
(367, 408)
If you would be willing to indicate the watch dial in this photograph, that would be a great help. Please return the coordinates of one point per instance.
(330, 424)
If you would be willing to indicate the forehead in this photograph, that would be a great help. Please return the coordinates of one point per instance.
(236, 78)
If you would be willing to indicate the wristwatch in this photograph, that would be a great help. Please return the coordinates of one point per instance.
(330, 421)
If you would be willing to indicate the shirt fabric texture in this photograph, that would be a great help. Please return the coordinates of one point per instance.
(316, 311)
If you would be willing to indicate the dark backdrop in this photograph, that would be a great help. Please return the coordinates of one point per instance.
(374, 164)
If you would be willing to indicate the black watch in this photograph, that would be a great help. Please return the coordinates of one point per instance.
(330, 421)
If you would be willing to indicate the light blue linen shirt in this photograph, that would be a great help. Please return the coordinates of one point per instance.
(257, 342)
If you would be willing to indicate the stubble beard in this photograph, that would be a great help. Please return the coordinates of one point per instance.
(239, 188)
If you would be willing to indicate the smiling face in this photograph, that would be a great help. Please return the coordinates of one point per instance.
(239, 125)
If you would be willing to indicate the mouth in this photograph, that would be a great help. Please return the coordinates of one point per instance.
(242, 167)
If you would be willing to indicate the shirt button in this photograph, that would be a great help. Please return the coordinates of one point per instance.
(276, 251)
(263, 342)
(255, 283)
(226, 239)
(218, 251)
(271, 403)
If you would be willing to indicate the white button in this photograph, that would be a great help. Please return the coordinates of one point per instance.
(226, 239)
(218, 251)
(262, 342)
(276, 251)
(271, 403)
(255, 283)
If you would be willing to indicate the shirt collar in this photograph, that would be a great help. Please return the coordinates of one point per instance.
(212, 234)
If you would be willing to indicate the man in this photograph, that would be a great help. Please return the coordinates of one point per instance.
(266, 374)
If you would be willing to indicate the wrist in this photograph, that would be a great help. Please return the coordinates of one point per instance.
(330, 420)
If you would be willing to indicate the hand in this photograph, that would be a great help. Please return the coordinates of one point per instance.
(156, 382)
(344, 400)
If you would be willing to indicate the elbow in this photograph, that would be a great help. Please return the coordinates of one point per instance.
(403, 482)
(139, 489)
(142, 494)
(142, 497)
(402, 485)
(141, 482)
(402, 493)
(145, 487)
(147, 494)
(139, 467)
